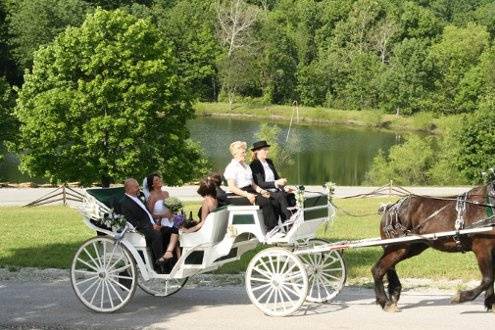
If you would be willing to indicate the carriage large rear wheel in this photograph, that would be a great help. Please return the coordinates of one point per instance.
(161, 287)
(276, 281)
(103, 275)
(326, 272)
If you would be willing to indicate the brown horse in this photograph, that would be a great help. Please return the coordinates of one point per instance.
(425, 215)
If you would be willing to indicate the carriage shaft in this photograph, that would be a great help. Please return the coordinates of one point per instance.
(344, 245)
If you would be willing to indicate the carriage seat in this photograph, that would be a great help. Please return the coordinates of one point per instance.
(212, 231)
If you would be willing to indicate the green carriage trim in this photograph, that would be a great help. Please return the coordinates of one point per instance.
(316, 213)
(315, 201)
(107, 196)
(243, 219)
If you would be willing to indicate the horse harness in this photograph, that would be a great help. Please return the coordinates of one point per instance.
(460, 207)
(394, 228)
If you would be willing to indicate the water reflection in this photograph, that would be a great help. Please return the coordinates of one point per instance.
(338, 154)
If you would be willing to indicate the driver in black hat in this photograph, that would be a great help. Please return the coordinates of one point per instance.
(266, 176)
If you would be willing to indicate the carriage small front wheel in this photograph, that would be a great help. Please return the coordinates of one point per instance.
(276, 281)
(103, 274)
(326, 272)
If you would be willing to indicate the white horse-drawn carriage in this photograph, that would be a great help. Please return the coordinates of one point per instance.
(107, 269)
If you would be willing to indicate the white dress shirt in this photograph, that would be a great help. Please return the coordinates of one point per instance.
(240, 173)
(138, 202)
(269, 175)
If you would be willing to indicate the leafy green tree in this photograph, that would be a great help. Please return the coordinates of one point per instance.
(33, 23)
(407, 78)
(235, 25)
(8, 68)
(418, 22)
(476, 140)
(278, 59)
(114, 4)
(190, 26)
(8, 123)
(447, 148)
(406, 164)
(105, 101)
(281, 154)
(453, 57)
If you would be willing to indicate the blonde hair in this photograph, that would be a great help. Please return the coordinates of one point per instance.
(236, 146)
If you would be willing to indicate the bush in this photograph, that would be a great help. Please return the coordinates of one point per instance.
(424, 121)
(406, 164)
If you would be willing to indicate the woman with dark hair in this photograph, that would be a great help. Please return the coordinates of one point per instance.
(162, 216)
(265, 176)
(221, 194)
(207, 190)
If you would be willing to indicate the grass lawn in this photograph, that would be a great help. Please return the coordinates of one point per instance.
(325, 116)
(49, 236)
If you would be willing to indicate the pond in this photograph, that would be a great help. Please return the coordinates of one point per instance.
(336, 153)
(339, 154)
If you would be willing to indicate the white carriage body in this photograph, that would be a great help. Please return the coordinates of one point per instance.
(227, 233)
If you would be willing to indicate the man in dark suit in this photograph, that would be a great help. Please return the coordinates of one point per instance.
(266, 176)
(134, 210)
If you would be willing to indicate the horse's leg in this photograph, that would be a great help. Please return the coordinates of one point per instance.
(485, 263)
(490, 293)
(394, 285)
(391, 256)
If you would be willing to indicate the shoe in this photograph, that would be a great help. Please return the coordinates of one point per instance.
(160, 267)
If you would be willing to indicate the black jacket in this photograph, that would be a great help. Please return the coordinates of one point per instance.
(135, 214)
(259, 174)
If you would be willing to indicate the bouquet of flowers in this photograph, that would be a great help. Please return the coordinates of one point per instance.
(173, 204)
(113, 221)
(178, 220)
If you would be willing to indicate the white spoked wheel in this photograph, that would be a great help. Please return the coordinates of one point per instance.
(103, 275)
(161, 287)
(276, 281)
(326, 273)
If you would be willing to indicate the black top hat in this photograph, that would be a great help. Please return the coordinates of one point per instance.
(259, 145)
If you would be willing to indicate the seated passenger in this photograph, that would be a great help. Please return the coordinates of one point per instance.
(265, 176)
(134, 210)
(221, 194)
(162, 215)
(240, 182)
(207, 190)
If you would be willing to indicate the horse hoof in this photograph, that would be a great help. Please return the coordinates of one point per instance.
(391, 308)
(456, 299)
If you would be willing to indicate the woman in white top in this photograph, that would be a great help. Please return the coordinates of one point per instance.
(240, 182)
(162, 215)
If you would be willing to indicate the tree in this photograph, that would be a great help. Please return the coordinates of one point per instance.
(105, 101)
(8, 123)
(476, 140)
(8, 68)
(235, 20)
(33, 23)
(407, 78)
(453, 57)
(114, 4)
(190, 25)
(406, 164)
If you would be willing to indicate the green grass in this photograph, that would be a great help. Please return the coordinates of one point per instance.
(49, 236)
(425, 122)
